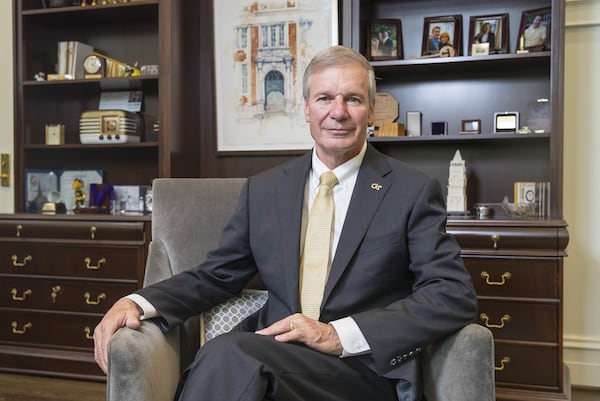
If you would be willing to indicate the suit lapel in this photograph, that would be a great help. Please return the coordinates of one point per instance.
(369, 190)
(290, 201)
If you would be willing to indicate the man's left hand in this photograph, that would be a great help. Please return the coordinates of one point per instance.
(297, 327)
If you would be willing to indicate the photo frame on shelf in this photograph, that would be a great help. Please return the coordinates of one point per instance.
(442, 36)
(506, 122)
(490, 30)
(384, 39)
(470, 127)
(260, 57)
(535, 30)
(40, 186)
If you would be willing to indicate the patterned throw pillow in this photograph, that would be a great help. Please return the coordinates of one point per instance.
(224, 317)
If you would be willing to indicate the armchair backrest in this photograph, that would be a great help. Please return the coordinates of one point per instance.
(187, 219)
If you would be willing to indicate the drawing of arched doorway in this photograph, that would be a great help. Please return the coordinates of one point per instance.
(274, 96)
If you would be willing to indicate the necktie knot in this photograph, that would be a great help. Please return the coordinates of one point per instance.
(328, 179)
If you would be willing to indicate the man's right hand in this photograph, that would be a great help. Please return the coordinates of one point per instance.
(123, 313)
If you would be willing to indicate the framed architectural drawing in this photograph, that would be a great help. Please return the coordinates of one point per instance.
(261, 51)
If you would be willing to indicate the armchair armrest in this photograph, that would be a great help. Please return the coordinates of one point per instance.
(461, 366)
(143, 364)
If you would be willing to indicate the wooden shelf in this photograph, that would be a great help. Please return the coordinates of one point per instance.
(494, 60)
(453, 138)
(91, 147)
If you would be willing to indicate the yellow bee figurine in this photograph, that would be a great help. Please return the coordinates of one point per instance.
(79, 194)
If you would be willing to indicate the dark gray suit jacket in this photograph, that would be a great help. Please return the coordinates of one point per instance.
(396, 270)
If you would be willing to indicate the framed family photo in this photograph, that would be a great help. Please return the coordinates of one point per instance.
(442, 36)
(488, 34)
(535, 30)
(261, 52)
(384, 39)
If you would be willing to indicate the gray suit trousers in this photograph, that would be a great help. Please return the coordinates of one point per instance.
(241, 366)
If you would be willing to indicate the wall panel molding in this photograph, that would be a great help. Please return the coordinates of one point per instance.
(582, 356)
(581, 13)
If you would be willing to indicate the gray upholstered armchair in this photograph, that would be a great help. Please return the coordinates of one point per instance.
(188, 214)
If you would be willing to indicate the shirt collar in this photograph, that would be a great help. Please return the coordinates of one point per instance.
(343, 172)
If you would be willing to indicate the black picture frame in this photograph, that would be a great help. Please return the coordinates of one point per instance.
(497, 36)
(384, 40)
(528, 32)
(450, 26)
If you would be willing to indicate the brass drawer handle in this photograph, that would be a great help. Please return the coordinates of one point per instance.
(55, 290)
(19, 228)
(503, 363)
(505, 276)
(88, 333)
(21, 298)
(27, 259)
(99, 299)
(495, 240)
(26, 326)
(93, 232)
(92, 267)
(486, 320)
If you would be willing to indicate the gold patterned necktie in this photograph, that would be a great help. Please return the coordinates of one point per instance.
(317, 247)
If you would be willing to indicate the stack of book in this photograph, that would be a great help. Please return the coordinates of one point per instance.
(70, 57)
(69, 60)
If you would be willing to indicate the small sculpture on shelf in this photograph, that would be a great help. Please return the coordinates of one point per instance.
(457, 185)
(79, 193)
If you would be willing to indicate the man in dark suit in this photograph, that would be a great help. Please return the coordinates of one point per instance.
(395, 284)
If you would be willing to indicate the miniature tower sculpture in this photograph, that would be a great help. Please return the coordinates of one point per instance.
(457, 185)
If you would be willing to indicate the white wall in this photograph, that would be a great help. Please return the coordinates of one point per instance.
(6, 101)
(581, 181)
(582, 192)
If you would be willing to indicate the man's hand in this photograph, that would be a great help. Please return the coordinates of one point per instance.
(123, 313)
(317, 335)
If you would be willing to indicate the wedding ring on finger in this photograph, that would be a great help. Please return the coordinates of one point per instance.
(291, 326)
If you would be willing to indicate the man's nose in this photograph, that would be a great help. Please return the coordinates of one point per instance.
(339, 108)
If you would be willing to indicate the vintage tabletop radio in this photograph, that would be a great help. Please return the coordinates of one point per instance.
(110, 126)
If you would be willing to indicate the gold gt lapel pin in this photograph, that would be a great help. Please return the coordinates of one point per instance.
(376, 186)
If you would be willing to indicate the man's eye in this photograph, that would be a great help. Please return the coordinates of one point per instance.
(353, 100)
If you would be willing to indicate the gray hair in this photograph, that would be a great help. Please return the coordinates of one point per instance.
(338, 55)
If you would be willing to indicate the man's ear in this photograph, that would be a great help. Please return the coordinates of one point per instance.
(371, 116)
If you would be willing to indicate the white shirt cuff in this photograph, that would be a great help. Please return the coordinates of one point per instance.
(147, 307)
(352, 339)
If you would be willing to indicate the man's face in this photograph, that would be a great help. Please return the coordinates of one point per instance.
(436, 32)
(338, 112)
(537, 21)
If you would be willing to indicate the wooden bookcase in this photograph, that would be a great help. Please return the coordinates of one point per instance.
(516, 265)
(149, 32)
